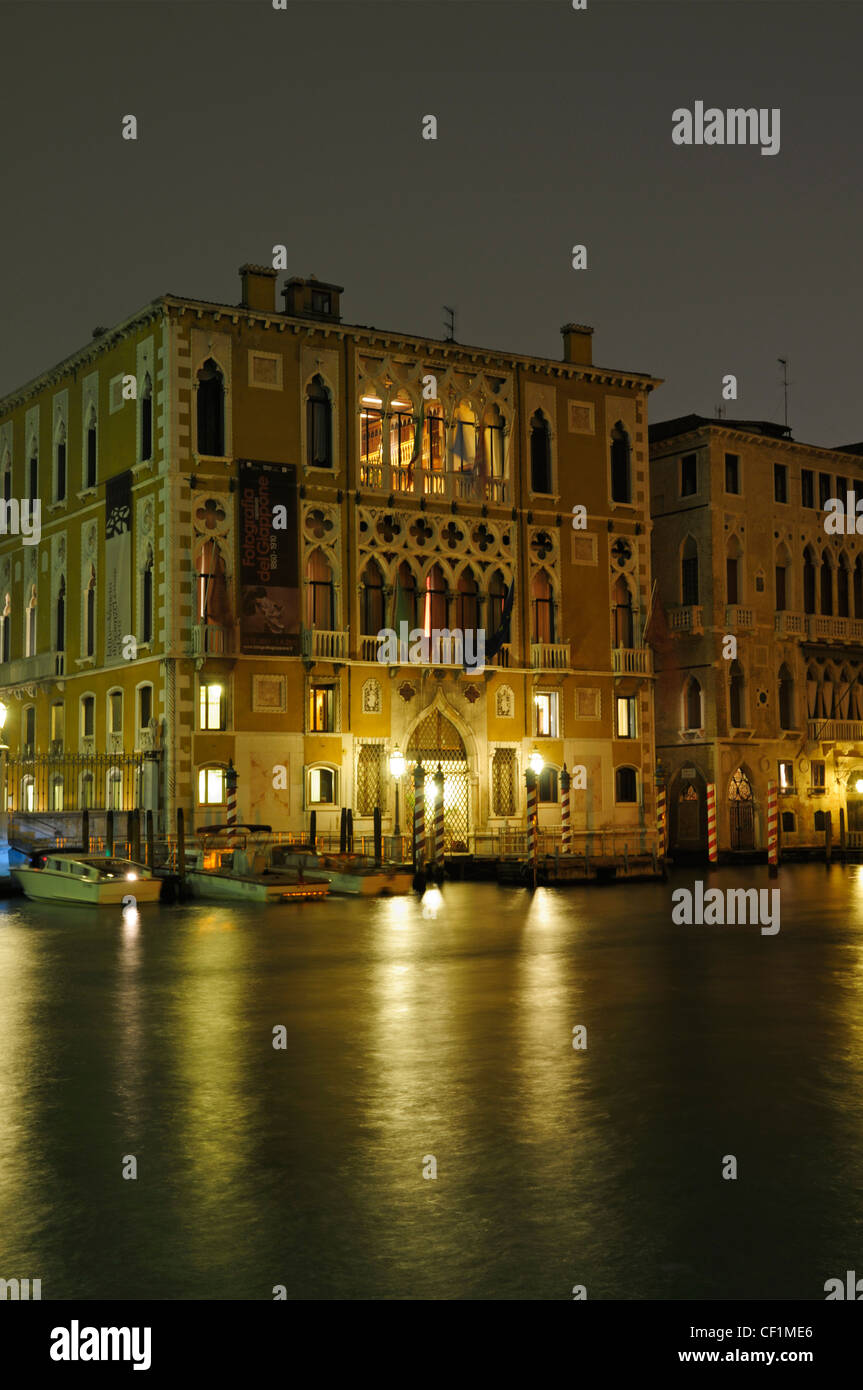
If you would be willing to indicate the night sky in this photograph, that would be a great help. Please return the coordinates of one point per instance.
(302, 127)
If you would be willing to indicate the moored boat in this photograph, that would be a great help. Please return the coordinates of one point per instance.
(88, 880)
(350, 875)
(234, 864)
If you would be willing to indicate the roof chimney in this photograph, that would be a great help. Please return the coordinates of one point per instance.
(578, 344)
(259, 288)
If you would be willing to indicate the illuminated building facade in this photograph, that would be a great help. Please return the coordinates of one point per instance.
(742, 550)
(237, 500)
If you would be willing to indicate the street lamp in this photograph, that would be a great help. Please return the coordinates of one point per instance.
(858, 785)
(397, 767)
(536, 762)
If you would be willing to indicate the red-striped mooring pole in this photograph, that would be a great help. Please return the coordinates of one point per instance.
(565, 823)
(712, 843)
(773, 828)
(661, 823)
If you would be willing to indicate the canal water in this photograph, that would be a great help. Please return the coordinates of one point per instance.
(436, 1030)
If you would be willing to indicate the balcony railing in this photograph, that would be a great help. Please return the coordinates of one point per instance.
(434, 482)
(549, 656)
(369, 648)
(846, 629)
(738, 617)
(790, 624)
(320, 645)
(502, 658)
(632, 661)
(208, 639)
(688, 618)
(835, 730)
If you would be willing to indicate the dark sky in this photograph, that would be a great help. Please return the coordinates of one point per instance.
(259, 126)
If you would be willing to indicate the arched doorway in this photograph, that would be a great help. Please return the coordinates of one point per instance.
(435, 741)
(854, 802)
(741, 810)
(687, 811)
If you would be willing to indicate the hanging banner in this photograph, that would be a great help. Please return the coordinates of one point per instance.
(269, 560)
(118, 565)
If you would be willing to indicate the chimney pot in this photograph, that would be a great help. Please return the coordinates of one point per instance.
(578, 344)
(259, 288)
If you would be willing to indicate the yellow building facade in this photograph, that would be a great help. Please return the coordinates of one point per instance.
(236, 500)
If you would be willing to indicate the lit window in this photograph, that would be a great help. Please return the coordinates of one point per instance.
(211, 786)
(321, 709)
(322, 786)
(786, 777)
(626, 716)
(545, 716)
(212, 706)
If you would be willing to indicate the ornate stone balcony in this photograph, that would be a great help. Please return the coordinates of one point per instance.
(632, 661)
(321, 645)
(549, 656)
(687, 618)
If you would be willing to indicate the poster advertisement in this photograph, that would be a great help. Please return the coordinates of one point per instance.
(269, 561)
(118, 565)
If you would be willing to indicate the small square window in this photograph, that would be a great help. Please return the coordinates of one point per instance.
(321, 709)
(545, 706)
(807, 488)
(689, 475)
(322, 786)
(780, 482)
(626, 713)
(732, 472)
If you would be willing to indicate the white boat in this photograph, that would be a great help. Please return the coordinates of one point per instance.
(349, 875)
(234, 864)
(92, 881)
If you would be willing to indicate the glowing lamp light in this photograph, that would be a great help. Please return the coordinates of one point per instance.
(130, 877)
(397, 763)
(858, 785)
(3, 713)
(536, 762)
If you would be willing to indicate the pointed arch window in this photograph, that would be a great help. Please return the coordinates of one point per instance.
(435, 601)
(842, 587)
(624, 626)
(464, 439)
(319, 425)
(147, 597)
(496, 600)
(542, 608)
(147, 419)
(406, 596)
(90, 615)
(781, 584)
(60, 616)
(732, 572)
(213, 606)
(692, 705)
(320, 596)
(858, 587)
(826, 584)
(372, 617)
(493, 443)
(467, 603)
(30, 624)
(434, 441)
(786, 698)
(736, 696)
(402, 433)
(808, 581)
(91, 448)
(33, 476)
(621, 466)
(540, 453)
(6, 630)
(689, 579)
(211, 410)
(60, 465)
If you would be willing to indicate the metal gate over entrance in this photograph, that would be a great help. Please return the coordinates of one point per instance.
(435, 741)
(742, 811)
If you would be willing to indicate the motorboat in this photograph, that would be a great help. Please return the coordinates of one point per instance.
(350, 875)
(235, 864)
(91, 881)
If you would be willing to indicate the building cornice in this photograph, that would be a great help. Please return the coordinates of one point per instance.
(703, 433)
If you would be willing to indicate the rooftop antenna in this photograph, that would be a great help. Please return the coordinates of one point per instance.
(449, 325)
(720, 411)
(783, 362)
